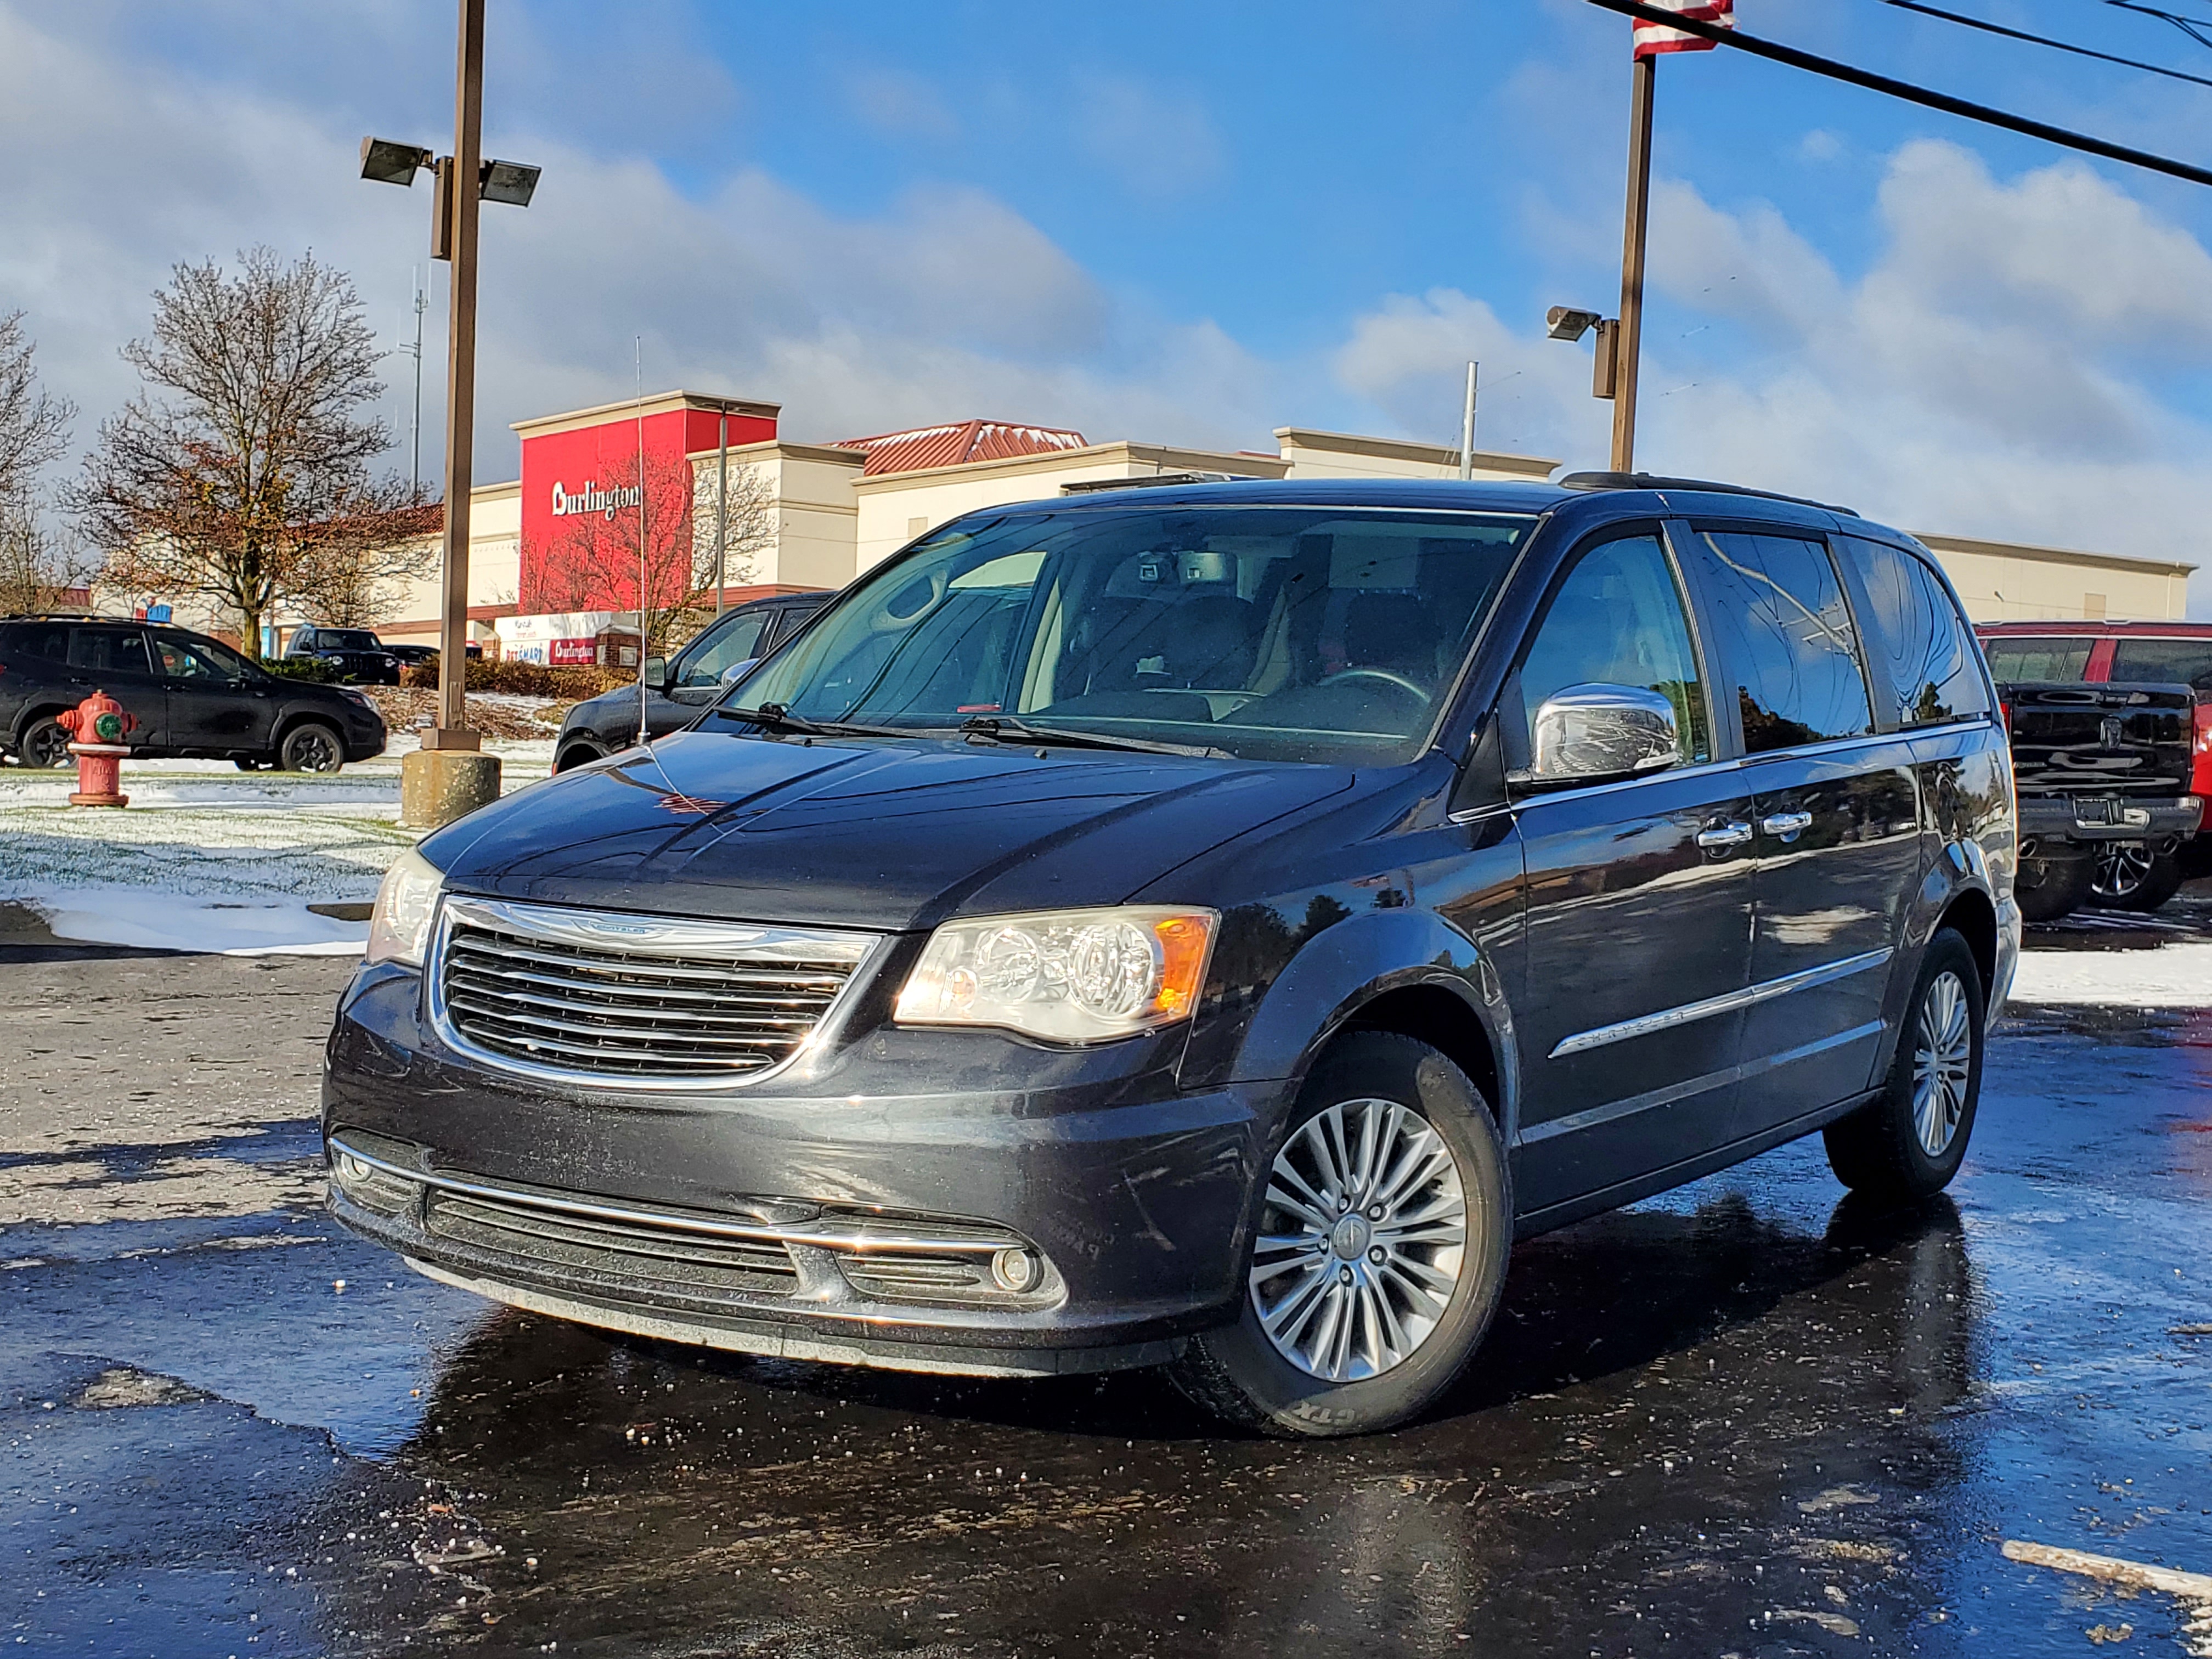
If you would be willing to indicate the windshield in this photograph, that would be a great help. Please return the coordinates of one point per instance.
(345, 639)
(1271, 633)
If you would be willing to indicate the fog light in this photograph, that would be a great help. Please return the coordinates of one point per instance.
(352, 1172)
(1017, 1270)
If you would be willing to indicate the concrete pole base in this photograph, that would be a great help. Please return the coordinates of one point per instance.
(437, 786)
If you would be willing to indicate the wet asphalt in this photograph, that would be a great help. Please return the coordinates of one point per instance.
(1751, 1418)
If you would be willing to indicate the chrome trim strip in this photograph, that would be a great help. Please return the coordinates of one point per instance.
(1744, 762)
(854, 953)
(1728, 1002)
(823, 1237)
(1674, 1091)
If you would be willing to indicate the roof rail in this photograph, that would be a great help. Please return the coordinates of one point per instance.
(1653, 481)
(1153, 481)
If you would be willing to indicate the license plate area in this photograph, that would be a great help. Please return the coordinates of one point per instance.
(2096, 814)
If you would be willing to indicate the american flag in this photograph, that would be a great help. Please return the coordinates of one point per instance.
(1654, 38)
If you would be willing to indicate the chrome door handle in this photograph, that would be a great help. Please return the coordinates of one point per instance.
(1788, 826)
(1724, 835)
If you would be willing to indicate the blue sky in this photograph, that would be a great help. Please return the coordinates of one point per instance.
(1195, 224)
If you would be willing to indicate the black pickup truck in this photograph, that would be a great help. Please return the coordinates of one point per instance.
(2099, 768)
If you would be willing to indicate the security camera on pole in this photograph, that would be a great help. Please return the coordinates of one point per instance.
(1619, 340)
(449, 774)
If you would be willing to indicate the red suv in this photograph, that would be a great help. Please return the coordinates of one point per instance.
(2146, 653)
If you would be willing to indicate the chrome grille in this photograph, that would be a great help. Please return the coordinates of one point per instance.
(617, 998)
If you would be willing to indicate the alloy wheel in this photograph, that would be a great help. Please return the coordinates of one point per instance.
(1361, 1239)
(45, 745)
(314, 750)
(2123, 867)
(1942, 1061)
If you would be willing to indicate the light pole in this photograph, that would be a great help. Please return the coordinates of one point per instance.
(449, 775)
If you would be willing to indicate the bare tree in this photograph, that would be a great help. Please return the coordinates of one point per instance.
(34, 424)
(351, 570)
(595, 561)
(217, 480)
(41, 570)
(38, 572)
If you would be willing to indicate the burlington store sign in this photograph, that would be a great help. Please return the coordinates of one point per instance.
(588, 476)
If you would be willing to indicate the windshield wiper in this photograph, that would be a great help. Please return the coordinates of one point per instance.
(1005, 728)
(776, 717)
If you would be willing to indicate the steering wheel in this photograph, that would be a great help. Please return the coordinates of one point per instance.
(1387, 676)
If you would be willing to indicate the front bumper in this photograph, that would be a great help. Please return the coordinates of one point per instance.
(851, 1211)
(2060, 818)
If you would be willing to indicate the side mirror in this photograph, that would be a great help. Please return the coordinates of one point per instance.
(656, 674)
(1599, 733)
(738, 671)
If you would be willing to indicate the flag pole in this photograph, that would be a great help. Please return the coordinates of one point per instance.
(1628, 338)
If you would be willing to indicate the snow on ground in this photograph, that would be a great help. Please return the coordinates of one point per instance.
(208, 858)
(2173, 976)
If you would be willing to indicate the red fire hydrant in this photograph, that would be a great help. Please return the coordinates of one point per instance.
(99, 724)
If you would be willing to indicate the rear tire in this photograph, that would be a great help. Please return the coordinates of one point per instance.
(2047, 887)
(2131, 877)
(1908, 1142)
(311, 746)
(45, 745)
(1400, 1159)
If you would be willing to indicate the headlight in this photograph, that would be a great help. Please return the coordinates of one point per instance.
(1065, 976)
(399, 931)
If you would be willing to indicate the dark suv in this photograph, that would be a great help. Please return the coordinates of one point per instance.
(1206, 926)
(191, 695)
(676, 691)
(356, 653)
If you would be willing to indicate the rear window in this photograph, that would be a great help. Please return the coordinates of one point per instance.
(1917, 636)
(36, 640)
(2169, 662)
(2023, 658)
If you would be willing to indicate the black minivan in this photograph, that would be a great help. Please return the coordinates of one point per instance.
(1206, 926)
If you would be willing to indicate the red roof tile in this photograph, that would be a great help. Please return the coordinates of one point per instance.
(962, 440)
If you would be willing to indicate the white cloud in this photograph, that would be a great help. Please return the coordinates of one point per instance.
(1999, 368)
(945, 303)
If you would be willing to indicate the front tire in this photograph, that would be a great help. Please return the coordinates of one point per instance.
(311, 746)
(45, 745)
(1379, 1253)
(1908, 1142)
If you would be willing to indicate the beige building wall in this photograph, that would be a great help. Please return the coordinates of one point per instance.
(1312, 454)
(814, 510)
(897, 507)
(494, 569)
(2004, 581)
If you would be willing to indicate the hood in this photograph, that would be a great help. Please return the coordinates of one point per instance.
(893, 835)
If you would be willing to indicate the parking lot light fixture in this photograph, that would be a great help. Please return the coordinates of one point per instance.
(1566, 323)
(510, 182)
(385, 162)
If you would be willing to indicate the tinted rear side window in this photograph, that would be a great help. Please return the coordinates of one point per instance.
(1786, 642)
(2169, 662)
(109, 650)
(37, 640)
(1916, 634)
(2025, 659)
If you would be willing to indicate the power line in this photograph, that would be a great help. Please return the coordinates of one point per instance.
(2196, 28)
(1812, 63)
(2044, 41)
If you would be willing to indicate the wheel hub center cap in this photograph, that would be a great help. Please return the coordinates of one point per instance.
(1348, 1238)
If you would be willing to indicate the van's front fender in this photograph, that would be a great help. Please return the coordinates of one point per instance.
(1347, 967)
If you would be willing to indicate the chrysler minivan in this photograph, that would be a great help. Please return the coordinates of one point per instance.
(1205, 926)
